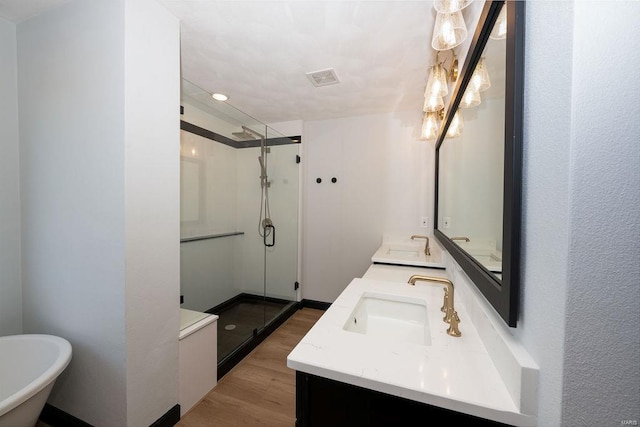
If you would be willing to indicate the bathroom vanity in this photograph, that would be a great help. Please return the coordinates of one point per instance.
(381, 355)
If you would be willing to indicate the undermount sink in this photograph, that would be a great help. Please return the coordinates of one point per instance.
(405, 251)
(392, 317)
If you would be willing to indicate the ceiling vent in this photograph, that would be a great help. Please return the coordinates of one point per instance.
(323, 77)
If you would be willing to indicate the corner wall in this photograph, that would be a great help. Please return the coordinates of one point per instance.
(10, 270)
(98, 85)
(71, 95)
(151, 208)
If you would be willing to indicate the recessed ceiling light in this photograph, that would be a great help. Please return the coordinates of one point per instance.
(219, 97)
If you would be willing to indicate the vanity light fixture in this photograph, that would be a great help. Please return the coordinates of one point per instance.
(219, 97)
(439, 76)
(471, 98)
(433, 104)
(430, 126)
(480, 78)
(448, 6)
(450, 30)
(499, 31)
(455, 128)
(437, 82)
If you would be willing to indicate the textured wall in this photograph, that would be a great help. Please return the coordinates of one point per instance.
(10, 277)
(602, 370)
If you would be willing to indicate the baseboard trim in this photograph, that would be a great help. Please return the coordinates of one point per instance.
(58, 418)
(169, 419)
(320, 305)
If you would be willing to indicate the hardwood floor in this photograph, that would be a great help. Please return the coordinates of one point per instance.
(260, 390)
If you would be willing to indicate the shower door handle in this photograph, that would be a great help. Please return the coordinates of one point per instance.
(273, 235)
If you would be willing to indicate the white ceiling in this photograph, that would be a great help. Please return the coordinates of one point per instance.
(257, 52)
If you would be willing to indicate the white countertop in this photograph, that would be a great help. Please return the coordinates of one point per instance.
(455, 373)
(400, 250)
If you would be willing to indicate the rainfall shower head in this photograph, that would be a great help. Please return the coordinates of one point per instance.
(247, 133)
(242, 135)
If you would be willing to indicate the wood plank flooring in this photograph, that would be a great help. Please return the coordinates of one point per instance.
(260, 390)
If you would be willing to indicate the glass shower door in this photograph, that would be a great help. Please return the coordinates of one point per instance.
(281, 237)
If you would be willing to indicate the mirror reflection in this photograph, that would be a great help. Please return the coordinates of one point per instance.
(471, 161)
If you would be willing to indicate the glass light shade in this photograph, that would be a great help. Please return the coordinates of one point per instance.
(471, 98)
(499, 31)
(480, 78)
(433, 104)
(450, 30)
(429, 126)
(437, 82)
(456, 126)
(448, 6)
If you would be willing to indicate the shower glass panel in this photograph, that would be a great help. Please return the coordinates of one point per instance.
(239, 220)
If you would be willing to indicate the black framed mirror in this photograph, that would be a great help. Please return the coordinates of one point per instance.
(479, 168)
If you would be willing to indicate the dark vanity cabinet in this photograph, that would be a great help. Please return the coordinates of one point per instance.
(321, 402)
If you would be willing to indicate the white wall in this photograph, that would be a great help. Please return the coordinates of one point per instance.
(385, 184)
(99, 177)
(580, 272)
(71, 97)
(602, 371)
(152, 208)
(10, 276)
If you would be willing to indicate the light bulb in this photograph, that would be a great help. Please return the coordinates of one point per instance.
(433, 104)
(437, 82)
(480, 78)
(455, 127)
(450, 30)
(429, 126)
(499, 31)
(471, 98)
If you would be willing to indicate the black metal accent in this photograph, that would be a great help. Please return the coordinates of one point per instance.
(319, 305)
(325, 402)
(318, 180)
(224, 366)
(205, 133)
(181, 110)
(211, 236)
(58, 418)
(181, 299)
(412, 267)
(273, 235)
(297, 158)
(502, 294)
(169, 419)
(296, 285)
(334, 179)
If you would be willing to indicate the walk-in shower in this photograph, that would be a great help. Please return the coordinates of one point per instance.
(227, 266)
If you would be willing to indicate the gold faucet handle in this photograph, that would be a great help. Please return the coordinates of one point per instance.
(453, 325)
(445, 301)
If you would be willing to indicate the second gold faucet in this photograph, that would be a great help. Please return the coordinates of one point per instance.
(427, 251)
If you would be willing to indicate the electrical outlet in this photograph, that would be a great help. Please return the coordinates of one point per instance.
(446, 222)
(424, 222)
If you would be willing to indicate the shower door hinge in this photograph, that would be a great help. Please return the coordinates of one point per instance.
(297, 158)
(181, 299)
(296, 285)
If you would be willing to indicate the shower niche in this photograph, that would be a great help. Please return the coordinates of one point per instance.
(239, 189)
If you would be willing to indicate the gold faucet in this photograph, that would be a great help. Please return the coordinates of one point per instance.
(451, 316)
(466, 239)
(427, 251)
